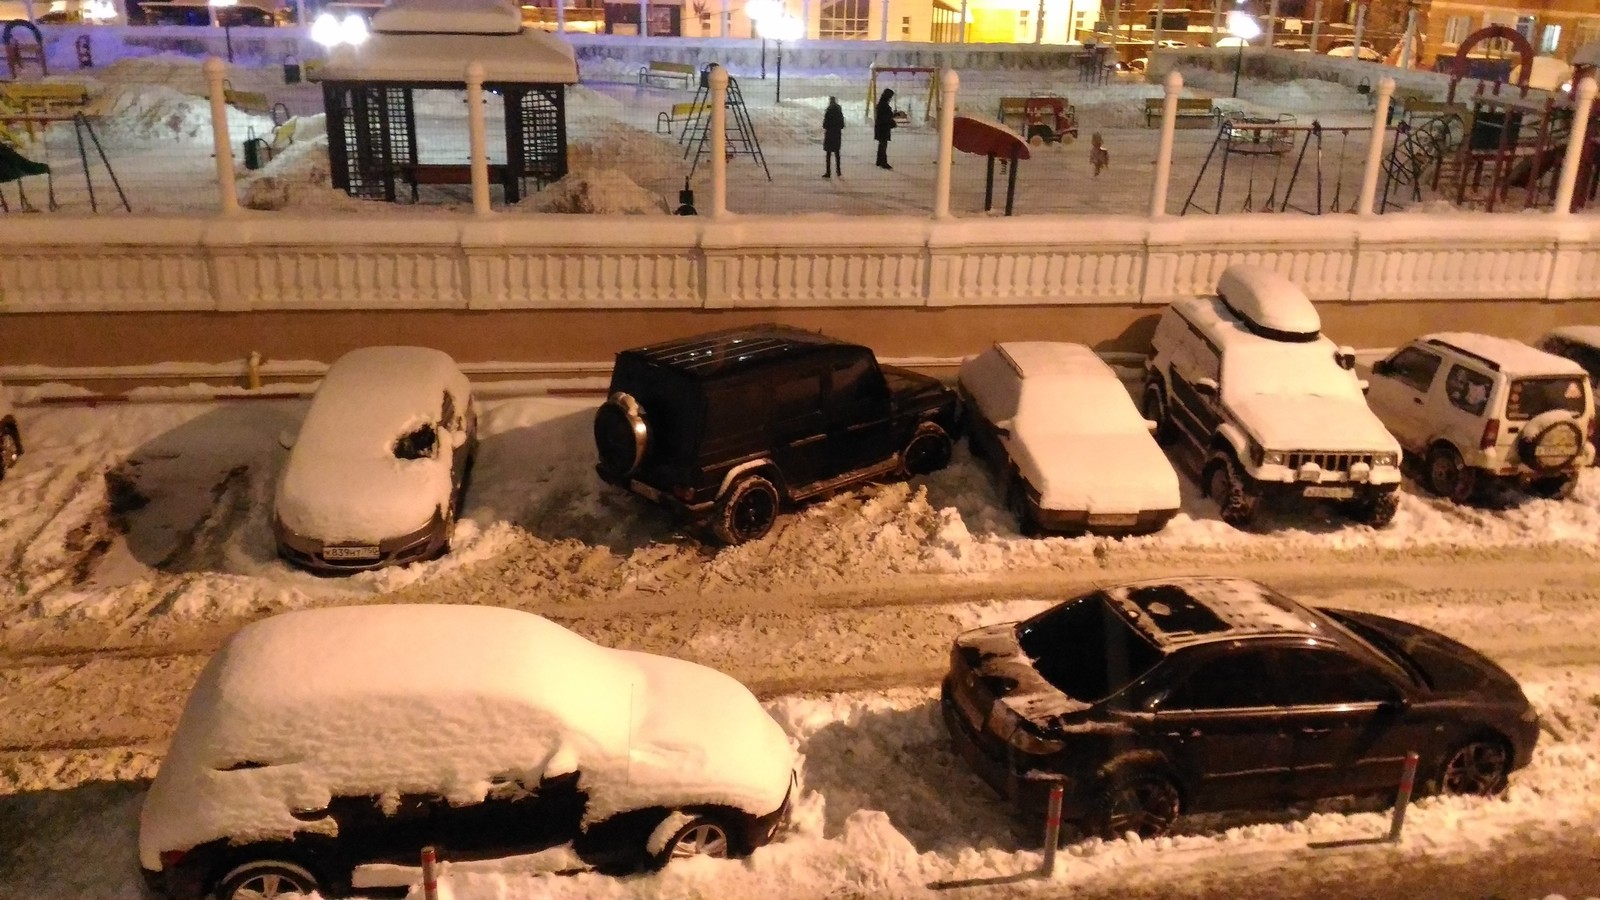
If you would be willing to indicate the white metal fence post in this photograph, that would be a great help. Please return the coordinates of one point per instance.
(1169, 124)
(963, 21)
(1380, 132)
(1272, 23)
(719, 141)
(1038, 25)
(1361, 28)
(1574, 157)
(1316, 28)
(949, 84)
(886, 21)
(478, 138)
(227, 189)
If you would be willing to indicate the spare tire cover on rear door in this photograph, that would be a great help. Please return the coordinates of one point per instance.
(1550, 440)
(621, 434)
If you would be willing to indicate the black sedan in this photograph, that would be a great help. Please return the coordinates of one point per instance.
(1205, 694)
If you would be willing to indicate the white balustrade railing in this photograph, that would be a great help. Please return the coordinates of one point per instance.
(268, 261)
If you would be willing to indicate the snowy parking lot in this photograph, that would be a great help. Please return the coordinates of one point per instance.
(136, 535)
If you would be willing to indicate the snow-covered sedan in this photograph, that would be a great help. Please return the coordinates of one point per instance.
(1061, 432)
(321, 750)
(377, 473)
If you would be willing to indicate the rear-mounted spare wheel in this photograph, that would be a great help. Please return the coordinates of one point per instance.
(621, 435)
(1550, 441)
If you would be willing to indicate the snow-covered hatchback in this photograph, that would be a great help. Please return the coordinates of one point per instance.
(321, 750)
(1478, 409)
(379, 469)
(10, 436)
(1264, 405)
(1071, 451)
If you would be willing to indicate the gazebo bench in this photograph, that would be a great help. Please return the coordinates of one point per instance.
(1188, 108)
(417, 174)
(667, 71)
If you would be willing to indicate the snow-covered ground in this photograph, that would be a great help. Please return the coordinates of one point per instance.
(135, 535)
(153, 120)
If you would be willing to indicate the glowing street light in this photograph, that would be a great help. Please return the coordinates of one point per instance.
(781, 28)
(758, 11)
(227, 24)
(329, 31)
(1244, 27)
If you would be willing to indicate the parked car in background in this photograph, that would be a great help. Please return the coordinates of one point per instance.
(1478, 409)
(1070, 450)
(1263, 406)
(1579, 343)
(322, 749)
(729, 426)
(10, 435)
(1186, 695)
(378, 472)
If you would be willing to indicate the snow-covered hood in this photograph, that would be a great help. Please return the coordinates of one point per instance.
(1100, 473)
(1311, 422)
(1452, 668)
(1008, 673)
(362, 498)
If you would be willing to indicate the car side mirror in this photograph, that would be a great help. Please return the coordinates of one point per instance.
(286, 439)
(1003, 428)
(1382, 367)
(1345, 357)
(1206, 387)
(1151, 425)
(1364, 384)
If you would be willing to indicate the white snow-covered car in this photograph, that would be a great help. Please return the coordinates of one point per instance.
(320, 750)
(10, 436)
(377, 473)
(1072, 452)
(1478, 409)
(1265, 406)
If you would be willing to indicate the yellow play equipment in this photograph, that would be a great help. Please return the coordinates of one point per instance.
(908, 83)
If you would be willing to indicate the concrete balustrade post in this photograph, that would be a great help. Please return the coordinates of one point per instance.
(1573, 159)
(719, 141)
(478, 139)
(1380, 131)
(949, 84)
(227, 188)
(1169, 126)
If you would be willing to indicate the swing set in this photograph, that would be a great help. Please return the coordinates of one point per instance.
(924, 80)
(1253, 141)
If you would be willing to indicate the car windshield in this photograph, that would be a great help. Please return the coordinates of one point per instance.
(1530, 397)
(1284, 368)
(1078, 406)
(1086, 649)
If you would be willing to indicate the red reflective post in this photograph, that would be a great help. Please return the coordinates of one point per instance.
(430, 879)
(1052, 829)
(1408, 779)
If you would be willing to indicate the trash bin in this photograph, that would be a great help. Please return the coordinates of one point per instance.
(291, 69)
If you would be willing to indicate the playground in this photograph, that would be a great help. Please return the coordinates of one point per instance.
(634, 138)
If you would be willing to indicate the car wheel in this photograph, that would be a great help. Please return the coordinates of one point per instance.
(266, 879)
(621, 435)
(747, 511)
(1233, 496)
(1478, 767)
(1017, 503)
(1559, 488)
(701, 836)
(929, 451)
(1143, 802)
(1155, 409)
(1449, 476)
(1377, 511)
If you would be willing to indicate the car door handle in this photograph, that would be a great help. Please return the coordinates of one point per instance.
(1315, 732)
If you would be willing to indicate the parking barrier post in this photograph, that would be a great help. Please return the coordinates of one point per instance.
(477, 137)
(1380, 132)
(1407, 780)
(1585, 91)
(227, 190)
(1052, 829)
(430, 875)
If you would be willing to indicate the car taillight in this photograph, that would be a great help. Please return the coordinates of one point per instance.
(1491, 433)
(170, 858)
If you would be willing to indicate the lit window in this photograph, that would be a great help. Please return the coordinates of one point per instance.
(1552, 40)
(846, 19)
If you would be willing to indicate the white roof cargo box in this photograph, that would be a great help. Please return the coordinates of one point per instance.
(1269, 304)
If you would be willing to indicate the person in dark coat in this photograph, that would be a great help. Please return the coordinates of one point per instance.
(832, 137)
(883, 123)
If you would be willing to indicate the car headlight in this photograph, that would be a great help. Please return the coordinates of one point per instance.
(1272, 458)
(1385, 459)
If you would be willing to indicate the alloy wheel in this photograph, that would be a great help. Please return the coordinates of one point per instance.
(1146, 805)
(1479, 768)
(701, 839)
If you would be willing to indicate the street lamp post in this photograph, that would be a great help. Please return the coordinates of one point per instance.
(781, 27)
(758, 11)
(226, 23)
(1244, 29)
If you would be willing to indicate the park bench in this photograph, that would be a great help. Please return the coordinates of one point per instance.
(1188, 108)
(40, 98)
(666, 72)
(417, 174)
(680, 112)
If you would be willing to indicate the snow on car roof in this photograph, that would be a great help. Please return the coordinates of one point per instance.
(382, 391)
(1054, 359)
(1583, 334)
(436, 699)
(1192, 610)
(1513, 357)
(1271, 303)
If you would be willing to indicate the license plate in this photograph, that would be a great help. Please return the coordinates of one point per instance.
(349, 552)
(1113, 518)
(1334, 492)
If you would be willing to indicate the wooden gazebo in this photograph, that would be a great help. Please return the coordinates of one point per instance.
(369, 92)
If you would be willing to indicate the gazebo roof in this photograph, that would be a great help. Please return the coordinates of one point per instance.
(434, 40)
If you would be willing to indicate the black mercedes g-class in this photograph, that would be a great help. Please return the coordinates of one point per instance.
(728, 426)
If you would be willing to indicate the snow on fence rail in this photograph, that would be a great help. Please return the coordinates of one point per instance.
(270, 262)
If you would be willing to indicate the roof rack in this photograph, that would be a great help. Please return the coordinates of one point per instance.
(1493, 366)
